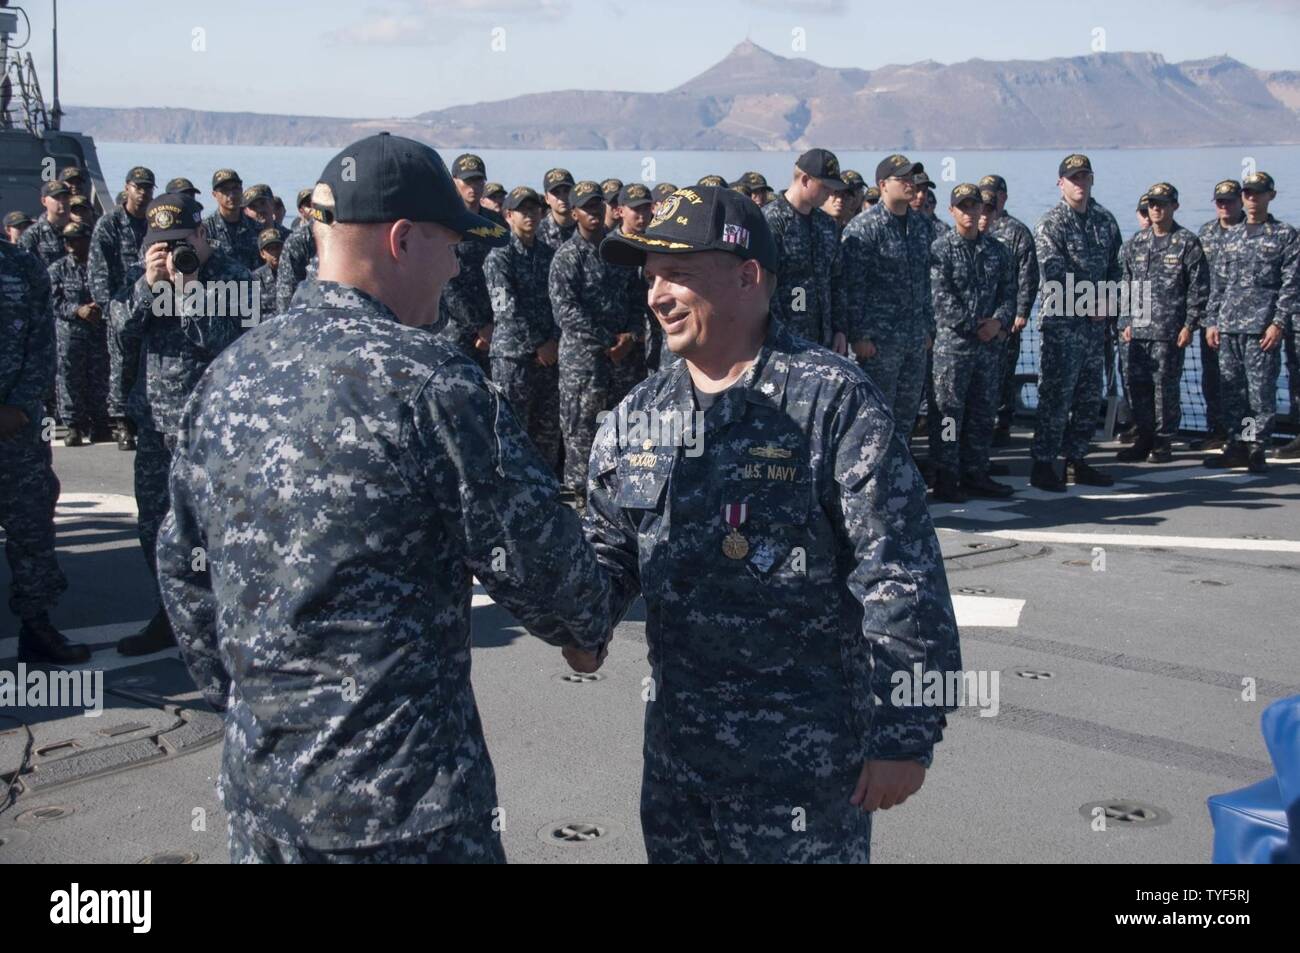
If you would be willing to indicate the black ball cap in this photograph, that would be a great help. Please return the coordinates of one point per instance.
(695, 219)
(1072, 165)
(384, 178)
(994, 182)
(181, 184)
(171, 215)
(822, 164)
(895, 167)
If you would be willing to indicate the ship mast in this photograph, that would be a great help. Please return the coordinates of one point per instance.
(56, 111)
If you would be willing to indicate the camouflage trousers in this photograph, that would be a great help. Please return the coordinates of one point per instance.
(817, 827)
(585, 390)
(1007, 389)
(153, 461)
(534, 395)
(1248, 386)
(1210, 389)
(29, 491)
(123, 366)
(1292, 356)
(898, 369)
(1154, 384)
(967, 379)
(458, 844)
(1069, 388)
(83, 375)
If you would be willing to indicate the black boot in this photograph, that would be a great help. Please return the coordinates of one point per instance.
(1234, 455)
(979, 484)
(1002, 437)
(1162, 451)
(40, 641)
(1138, 452)
(73, 438)
(1085, 475)
(1255, 460)
(1290, 451)
(947, 489)
(1215, 441)
(1129, 435)
(999, 469)
(1044, 477)
(154, 637)
(102, 433)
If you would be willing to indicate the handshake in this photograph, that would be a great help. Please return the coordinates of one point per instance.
(580, 660)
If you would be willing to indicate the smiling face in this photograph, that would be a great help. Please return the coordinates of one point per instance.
(695, 298)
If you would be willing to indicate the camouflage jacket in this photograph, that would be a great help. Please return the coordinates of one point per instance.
(175, 348)
(44, 241)
(518, 281)
(1178, 279)
(237, 239)
(810, 296)
(296, 256)
(1211, 237)
(1256, 279)
(971, 282)
(27, 353)
(377, 475)
(465, 297)
(593, 300)
(114, 248)
(69, 290)
(1074, 250)
(887, 273)
(554, 234)
(265, 277)
(765, 658)
(1022, 257)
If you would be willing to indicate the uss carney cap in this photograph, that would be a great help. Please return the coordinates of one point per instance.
(383, 178)
(822, 164)
(171, 216)
(1072, 165)
(141, 176)
(224, 177)
(1162, 193)
(520, 195)
(700, 218)
(1258, 182)
(965, 192)
(634, 195)
(468, 166)
(1228, 188)
(556, 178)
(895, 166)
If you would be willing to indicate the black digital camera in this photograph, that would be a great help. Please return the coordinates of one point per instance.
(184, 257)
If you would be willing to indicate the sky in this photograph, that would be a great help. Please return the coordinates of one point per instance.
(362, 59)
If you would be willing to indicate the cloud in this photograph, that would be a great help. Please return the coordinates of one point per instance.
(436, 22)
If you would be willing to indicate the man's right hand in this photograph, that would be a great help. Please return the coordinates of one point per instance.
(155, 264)
(548, 354)
(1212, 337)
(864, 349)
(89, 312)
(12, 420)
(1019, 325)
(580, 660)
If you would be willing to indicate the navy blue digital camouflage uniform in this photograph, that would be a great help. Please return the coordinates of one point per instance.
(764, 662)
(465, 305)
(238, 239)
(174, 350)
(378, 474)
(1087, 247)
(29, 490)
(1172, 271)
(1211, 237)
(887, 276)
(297, 258)
(265, 276)
(553, 233)
(43, 240)
(1018, 242)
(518, 286)
(810, 295)
(971, 281)
(1256, 283)
(114, 248)
(83, 349)
(591, 300)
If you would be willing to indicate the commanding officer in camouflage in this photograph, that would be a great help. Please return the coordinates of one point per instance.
(1229, 212)
(1168, 284)
(83, 345)
(1255, 296)
(1078, 244)
(974, 292)
(114, 248)
(465, 305)
(28, 486)
(558, 225)
(182, 319)
(1018, 242)
(525, 338)
(593, 302)
(335, 630)
(887, 274)
(789, 567)
(270, 242)
(228, 229)
(15, 224)
(45, 238)
(810, 285)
